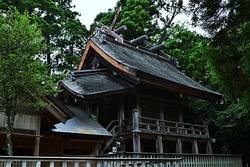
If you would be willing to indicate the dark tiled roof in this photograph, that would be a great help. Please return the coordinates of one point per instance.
(149, 64)
(96, 84)
(81, 124)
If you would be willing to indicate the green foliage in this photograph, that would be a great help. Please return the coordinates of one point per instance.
(63, 33)
(24, 78)
(229, 66)
(228, 63)
(189, 49)
(219, 15)
(138, 16)
(169, 10)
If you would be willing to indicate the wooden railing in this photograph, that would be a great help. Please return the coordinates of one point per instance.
(25, 161)
(172, 127)
(114, 129)
(158, 126)
(190, 160)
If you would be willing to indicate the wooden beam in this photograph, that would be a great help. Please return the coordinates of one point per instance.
(115, 19)
(84, 56)
(22, 134)
(55, 111)
(112, 33)
(37, 139)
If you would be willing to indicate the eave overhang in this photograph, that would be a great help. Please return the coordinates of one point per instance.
(81, 124)
(97, 85)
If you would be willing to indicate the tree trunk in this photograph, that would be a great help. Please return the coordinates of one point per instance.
(9, 128)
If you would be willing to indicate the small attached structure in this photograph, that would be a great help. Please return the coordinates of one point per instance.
(57, 130)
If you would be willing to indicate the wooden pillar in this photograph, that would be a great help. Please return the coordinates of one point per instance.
(138, 105)
(181, 116)
(161, 110)
(181, 119)
(209, 147)
(206, 129)
(37, 139)
(136, 142)
(121, 111)
(159, 144)
(195, 147)
(179, 146)
(136, 134)
(89, 108)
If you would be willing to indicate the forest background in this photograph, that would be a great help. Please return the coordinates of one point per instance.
(220, 60)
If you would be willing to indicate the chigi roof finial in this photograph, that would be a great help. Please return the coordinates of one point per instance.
(110, 31)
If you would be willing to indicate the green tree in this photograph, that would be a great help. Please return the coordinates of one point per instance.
(217, 16)
(23, 76)
(63, 33)
(169, 10)
(70, 44)
(138, 15)
(143, 17)
(189, 49)
(228, 61)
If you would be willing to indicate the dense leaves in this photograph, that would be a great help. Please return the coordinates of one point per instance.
(23, 76)
(168, 11)
(63, 33)
(228, 55)
(138, 15)
(189, 49)
(219, 15)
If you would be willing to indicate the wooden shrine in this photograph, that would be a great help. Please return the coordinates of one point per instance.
(133, 89)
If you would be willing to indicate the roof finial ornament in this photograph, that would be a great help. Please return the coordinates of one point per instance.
(140, 39)
(158, 47)
(110, 30)
(115, 19)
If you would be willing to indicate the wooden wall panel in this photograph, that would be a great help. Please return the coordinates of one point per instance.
(26, 122)
(171, 111)
(150, 108)
(50, 147)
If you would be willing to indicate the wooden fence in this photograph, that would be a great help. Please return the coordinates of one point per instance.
(125, 160)
(28, 161)
(190, 160)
